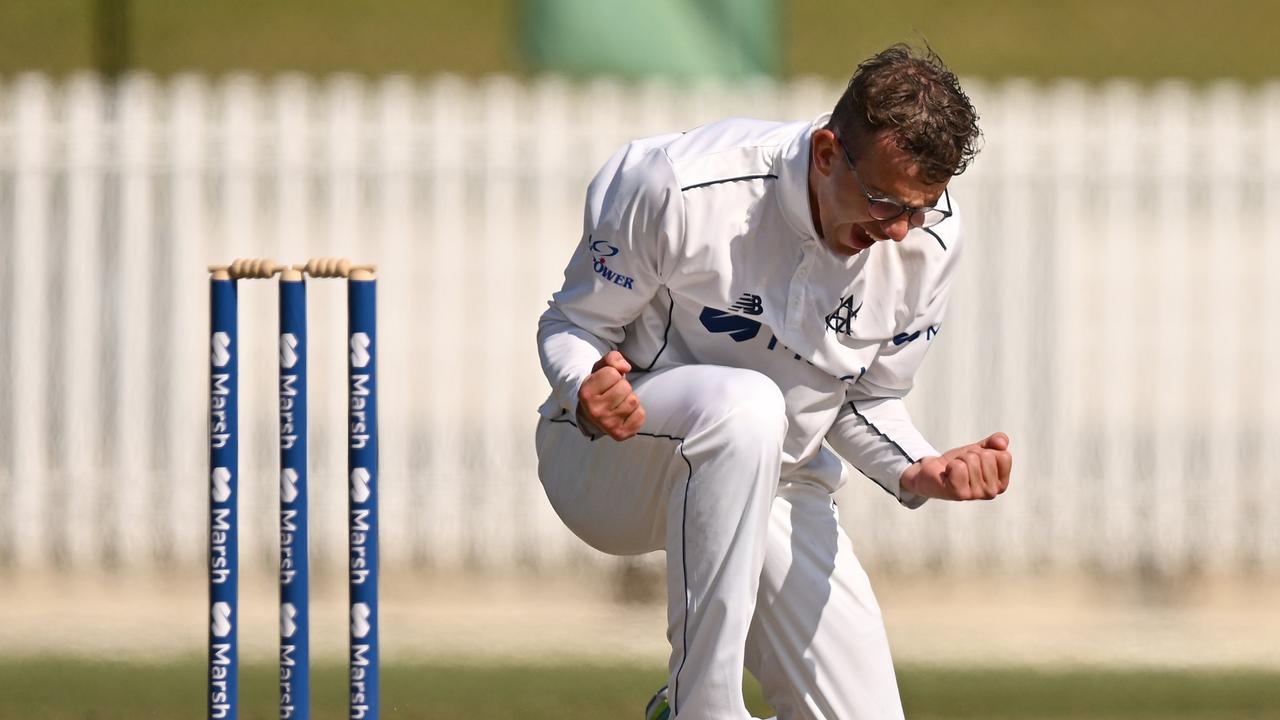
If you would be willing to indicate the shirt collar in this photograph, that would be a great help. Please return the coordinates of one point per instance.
(793, 178)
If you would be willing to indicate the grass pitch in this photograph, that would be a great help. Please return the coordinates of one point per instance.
(63, 689)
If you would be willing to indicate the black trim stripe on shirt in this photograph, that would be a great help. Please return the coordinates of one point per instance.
(670, 308)
(880, 432)
(893, 442)
(684, 567)
(729, 180)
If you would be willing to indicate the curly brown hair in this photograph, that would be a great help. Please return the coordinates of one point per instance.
(913, 94)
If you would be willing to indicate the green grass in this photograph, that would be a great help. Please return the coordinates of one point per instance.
(933, 694)
(59, 689)
(1089, 39)
(63, 689)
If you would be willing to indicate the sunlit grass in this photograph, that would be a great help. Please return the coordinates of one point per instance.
(61, 689)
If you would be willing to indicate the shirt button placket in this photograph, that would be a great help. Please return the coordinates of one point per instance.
(795, 308)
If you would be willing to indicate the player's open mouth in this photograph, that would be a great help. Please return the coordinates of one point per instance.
(859, 240)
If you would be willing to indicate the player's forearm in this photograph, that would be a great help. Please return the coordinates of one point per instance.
(879, 439)
(567, 353)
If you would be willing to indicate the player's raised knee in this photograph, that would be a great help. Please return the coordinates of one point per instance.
(747, 405)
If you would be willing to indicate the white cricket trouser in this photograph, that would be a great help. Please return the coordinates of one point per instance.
(759, 572)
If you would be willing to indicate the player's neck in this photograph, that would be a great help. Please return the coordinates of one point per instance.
(814, 215)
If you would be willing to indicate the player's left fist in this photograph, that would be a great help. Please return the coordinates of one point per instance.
(978, 471)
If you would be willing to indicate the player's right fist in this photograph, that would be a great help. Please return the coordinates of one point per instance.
(605, 400)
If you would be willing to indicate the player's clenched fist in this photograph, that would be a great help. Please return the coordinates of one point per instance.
(971, 472)
(606, 401)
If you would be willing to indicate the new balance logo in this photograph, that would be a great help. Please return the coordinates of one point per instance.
(841, 319)
(741, 329)
(749, 304)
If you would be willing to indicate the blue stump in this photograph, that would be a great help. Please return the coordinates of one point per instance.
(362, 461)
(224, 472)
(295, 625)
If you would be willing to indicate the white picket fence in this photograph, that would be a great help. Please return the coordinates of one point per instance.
(1116, 316)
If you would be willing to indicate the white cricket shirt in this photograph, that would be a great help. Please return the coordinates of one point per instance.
(700, 247)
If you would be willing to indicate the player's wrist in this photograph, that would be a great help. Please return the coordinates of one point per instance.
(585, 423)
(907, 480)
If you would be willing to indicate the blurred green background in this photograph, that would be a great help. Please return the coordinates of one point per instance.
(1088, 39)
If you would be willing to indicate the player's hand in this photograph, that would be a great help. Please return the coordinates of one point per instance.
(606, 401)
(979, 471)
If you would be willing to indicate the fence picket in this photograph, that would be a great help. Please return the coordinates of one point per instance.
(81, 445)
(34, 138)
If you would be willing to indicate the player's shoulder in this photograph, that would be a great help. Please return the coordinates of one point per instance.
(729, 150)
(726, 150)
(639, 168)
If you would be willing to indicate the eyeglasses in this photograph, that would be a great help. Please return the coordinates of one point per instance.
(885, 209)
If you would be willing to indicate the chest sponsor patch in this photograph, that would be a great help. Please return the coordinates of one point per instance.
(741, 329)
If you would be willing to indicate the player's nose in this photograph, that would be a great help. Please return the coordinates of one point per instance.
(897, 228)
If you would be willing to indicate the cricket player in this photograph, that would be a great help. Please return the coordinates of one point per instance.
(749, 301)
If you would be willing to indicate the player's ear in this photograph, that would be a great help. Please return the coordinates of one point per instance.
(825, 147)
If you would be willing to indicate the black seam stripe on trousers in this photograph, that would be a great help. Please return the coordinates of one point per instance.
(684, 566)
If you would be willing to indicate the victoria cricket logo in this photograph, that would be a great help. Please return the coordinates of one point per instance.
(360, 349)
(841, 319)
(221, 349)
(288, 350)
